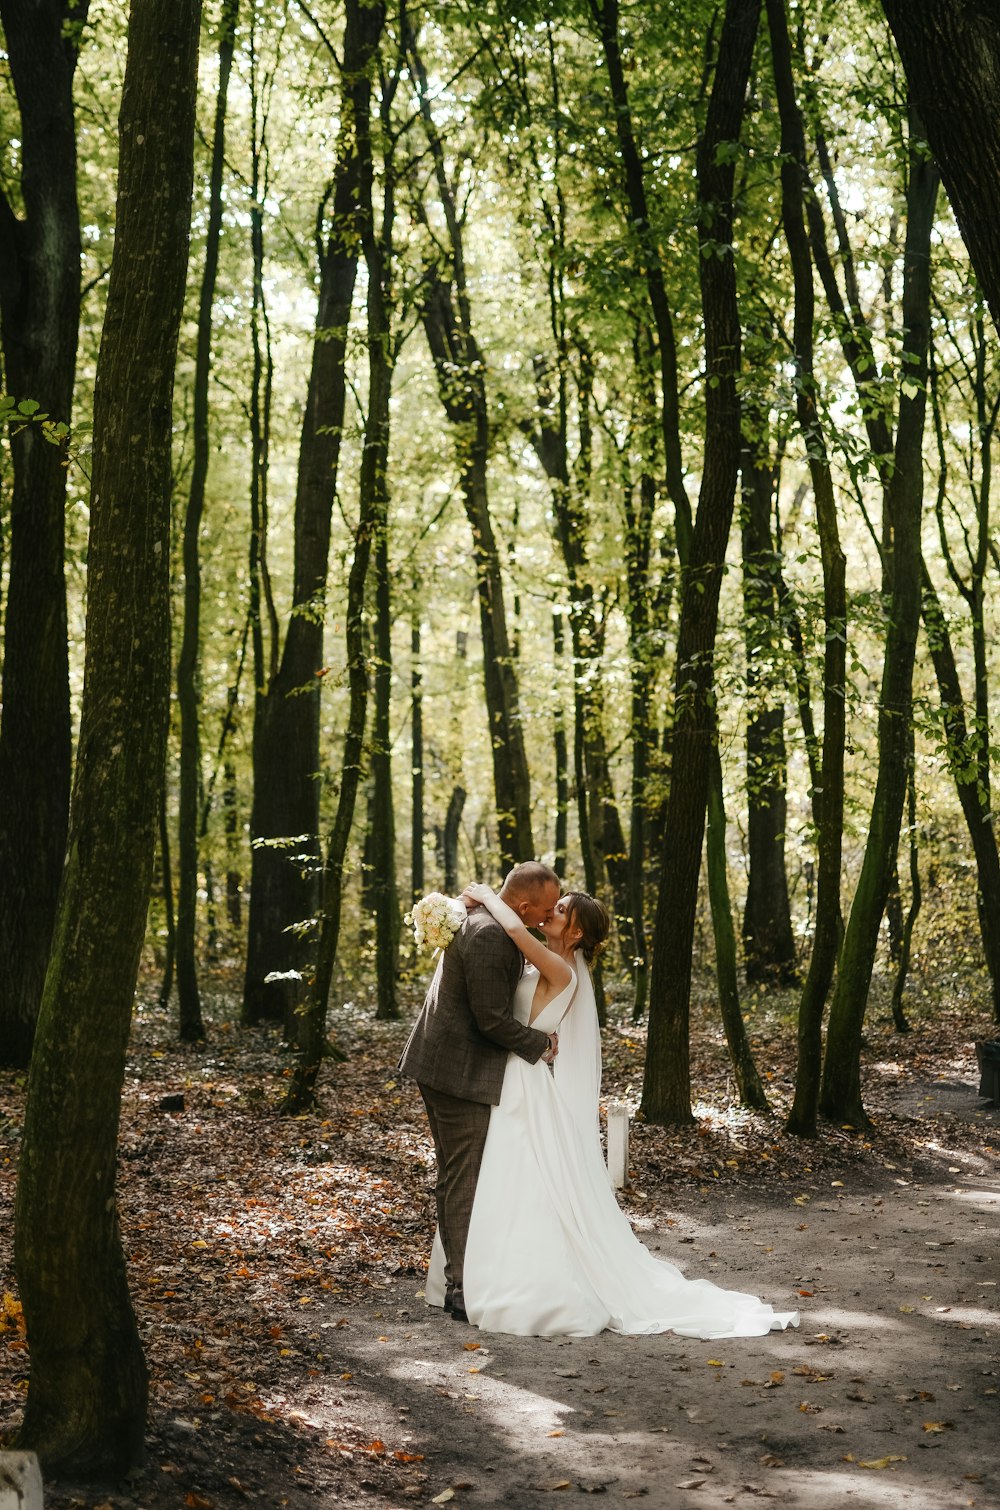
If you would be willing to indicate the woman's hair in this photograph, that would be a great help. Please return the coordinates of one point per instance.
(593, 920)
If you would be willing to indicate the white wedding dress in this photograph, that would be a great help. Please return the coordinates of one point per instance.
(550, 1253)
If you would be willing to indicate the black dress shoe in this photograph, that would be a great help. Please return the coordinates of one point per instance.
(458, 1313)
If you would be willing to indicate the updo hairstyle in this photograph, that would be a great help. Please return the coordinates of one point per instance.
(593, 920)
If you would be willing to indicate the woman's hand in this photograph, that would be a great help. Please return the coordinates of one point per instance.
(478, 894)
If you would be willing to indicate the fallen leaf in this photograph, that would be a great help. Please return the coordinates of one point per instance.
(690, 1484)
(907, 1309)
(408, 1457)
(939, 1426)
(196, 1501)
(716, 1363)
(893, 1457)
(559, 1432)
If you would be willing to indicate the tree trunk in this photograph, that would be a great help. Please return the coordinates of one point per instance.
(383, 880)
(192, 1029)
(768, 941)
(231, 820)
(827, 778)
(454, 351)
(951, 53)
(170, 923)
(363, 28)
(749, 1083)
(284, 822)
(418, 815)
(667, 1085)
(39, 319)
(86, 1407)
(841, 1089)
(916, 897)
(560, 749)
(460, 369)
(452, 824)
(963, 761)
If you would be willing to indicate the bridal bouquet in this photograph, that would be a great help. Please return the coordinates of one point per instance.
(435, 920)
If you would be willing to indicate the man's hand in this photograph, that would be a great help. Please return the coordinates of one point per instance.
(552, 1050)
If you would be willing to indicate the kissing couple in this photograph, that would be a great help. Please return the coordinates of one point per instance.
(506, 1053)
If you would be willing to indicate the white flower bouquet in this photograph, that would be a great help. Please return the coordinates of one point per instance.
(435, 920)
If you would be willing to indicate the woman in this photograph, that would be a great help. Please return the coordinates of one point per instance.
(550, 1253)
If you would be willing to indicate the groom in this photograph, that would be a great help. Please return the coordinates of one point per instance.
(458, 1050)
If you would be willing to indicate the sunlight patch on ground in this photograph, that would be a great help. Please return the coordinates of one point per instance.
(509, 1407)
(968, 1197)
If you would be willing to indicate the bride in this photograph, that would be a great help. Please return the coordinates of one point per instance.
(550, 1253)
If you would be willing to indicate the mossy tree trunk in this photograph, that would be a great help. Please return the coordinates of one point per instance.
(86, 1407)
(39, 318)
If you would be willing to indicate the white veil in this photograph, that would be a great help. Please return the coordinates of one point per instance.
(577, 1066)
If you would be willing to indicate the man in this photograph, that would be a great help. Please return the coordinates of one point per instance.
(458, 1050)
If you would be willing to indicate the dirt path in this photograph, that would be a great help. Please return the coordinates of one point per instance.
(886, 1395)
(276, 1264)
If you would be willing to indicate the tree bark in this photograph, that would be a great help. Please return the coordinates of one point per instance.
(418, 815)
(461, 375)
(191, 1027)
(86, 1406)
(768, 941)
(951, 53)
(363, 28)
(827, 779)
(284, 822)
(963, 758)
(841, 1088)
(39, 319)
(667, 1086)
(461, 384)
(384, 884)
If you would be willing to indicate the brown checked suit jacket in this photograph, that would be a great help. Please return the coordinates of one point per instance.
(466, 1027)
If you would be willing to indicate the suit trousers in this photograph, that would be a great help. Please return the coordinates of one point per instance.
(458, 1128)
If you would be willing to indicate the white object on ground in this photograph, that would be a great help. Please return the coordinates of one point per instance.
(618, 1114)
(20, 1481)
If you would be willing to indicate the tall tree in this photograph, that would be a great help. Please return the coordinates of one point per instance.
(951, 53)
(840, 1095)
(188, 692)
(461, 375)
(39, 322)
(667, 1086)
(285, 818)
(827, 774)
(363, 28)
(86, 1408)
(768, 941)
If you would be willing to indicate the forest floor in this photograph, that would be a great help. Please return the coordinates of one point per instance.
(277, 1269)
